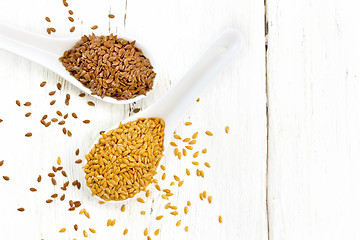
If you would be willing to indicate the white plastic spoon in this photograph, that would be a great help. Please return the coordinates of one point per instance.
(176, 102)
(46, 51)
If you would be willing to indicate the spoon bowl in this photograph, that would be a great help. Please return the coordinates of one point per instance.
(179, 98)
(46, 51)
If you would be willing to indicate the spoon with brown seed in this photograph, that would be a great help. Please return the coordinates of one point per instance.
(123, 162)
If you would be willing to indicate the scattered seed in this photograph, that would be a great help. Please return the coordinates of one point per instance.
(172, 184)
(69, 133)
(188, 203)
(49, 201)
(92, 230)
(1, 163)
(195, 135)
(74, 115)
(186, 140)
(85, 234)
(176, 178)
(147, 194)
(140, 200)
(220, 219)
(52, 102)
(167, 206)
(76, 227)
(123, 208)
(48, 30)
(6, 178)
(156, 232)
(111, 15)
(62, 230)
(71, 209)
(77, 152)
(142, 212)
(159, 217)
(201, 196)
(163, 176)
(126, 231)
(78, 161)
(52, 174)
(201, 173)
(101, 202)
(227, 129)
(42, 84)
(178, 223)
(62, 198)
(176, 151)
(54, 195)
(204, 194)
(62, 122)
(208, 133)
(21, 209)
(29, 134)
(186, 209)
(82, 95)
(184, 152)
(72, 29)
(204, 151)
(18, 103)
(94, 27)
(33, 189)
(65, 3)
(47, 19)
(174, 213)
(189, 147)
(188, 172)
(146, 232)
(52, 93)
(192, 142)
(64, 130)
(64, 173)
(186, 228)
(47, 124)
(90, 103)
(162, 167)
(53, 29)
(188, 123)
(27, 104)
(173, 207)
(71, 12)
(195, 163)
(181, 183)
(27, 114)
(86, 121)
(58, 161)
(39, 178)
(71, 19)
(196, 154)
(207, 164)
(53, 181)
(177, 137)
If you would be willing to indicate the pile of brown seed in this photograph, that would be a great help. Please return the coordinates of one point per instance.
(125, 159)
(110, 66)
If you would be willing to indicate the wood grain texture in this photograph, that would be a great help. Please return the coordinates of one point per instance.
(176, 32)
(313, 88)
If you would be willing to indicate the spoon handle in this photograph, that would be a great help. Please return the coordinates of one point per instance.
(176, 102)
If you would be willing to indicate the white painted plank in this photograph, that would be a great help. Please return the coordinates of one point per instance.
(176, 32)
(313, 71)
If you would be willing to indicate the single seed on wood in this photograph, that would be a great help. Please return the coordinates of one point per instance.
(196, 154)
(54, 120)
(123, 208)
(176, 151)
(176, 178)
(178, 223)
(198, 100)
(62, 198)
(48, 30)
(210, 199)
(186, 209)
(86, 121)
(27, 114)
(27, 104)
(186, 140)
(47, 124)
(207, 164)
(71, 209)
(71, 12)
(82, 95)
(156, 232)
(64, 173)
(29, 134)
(47, 19)
(192, 142)
(18, 103)
(72, 29)
(65, 4)
(204, 194)
(1, 163)
(184, 152)
(147, 194)
(126, 231)
(140, 200)
(163, 176)
(33, 189)
(181, 183)
(111, 15)
(201, 196)
(53, 181)
(52, 102)
(62, 230)
(52, 174)
(179, 155)
(49, 201)
(94, 27)
(53, 29)
(54, 195)
(208, 133)
(186, 228)
(39, 178)
(62, 122)
(58, 161)
(188, 203)
(177, 137)
(69, 133)
(142, 212)
(146, 232)
(101, 202)
(78, 161)
(74, 115)
(227, 129)
(42, 84)
(76, 227)
(195, 163)
(6, 178)
(195, 135)
(92, 230)
(188, 123)
(188, 172)
(85, 234)
(77, 152)
(162, 167)
(189, 147)
(167, 206)
(64, 130)
(52, 93)
(71, 19)
(220, 219)
(159, 217)
(201, 173)
(174, 213)
(21, 209)
(173, 207)
(90, 103)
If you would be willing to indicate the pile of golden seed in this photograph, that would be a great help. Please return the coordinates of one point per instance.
(125, 159)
